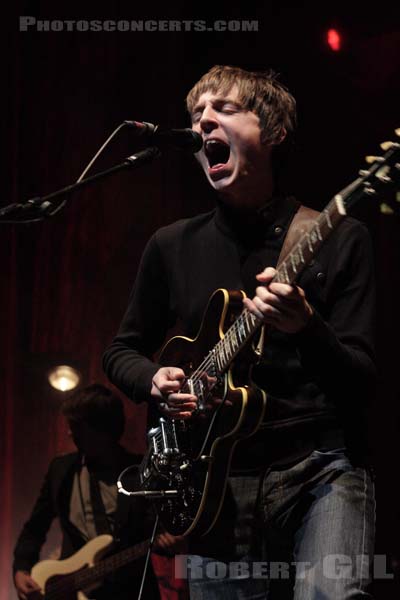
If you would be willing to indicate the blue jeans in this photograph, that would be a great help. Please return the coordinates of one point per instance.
(302, 533)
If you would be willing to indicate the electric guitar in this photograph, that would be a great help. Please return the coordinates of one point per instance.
(84, 571)
(187, 462)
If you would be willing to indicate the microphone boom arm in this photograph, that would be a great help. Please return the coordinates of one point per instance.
(41, 206)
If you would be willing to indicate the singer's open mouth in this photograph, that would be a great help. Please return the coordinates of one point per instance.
(217, 152)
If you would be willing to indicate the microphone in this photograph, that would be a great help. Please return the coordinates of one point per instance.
(186, 139)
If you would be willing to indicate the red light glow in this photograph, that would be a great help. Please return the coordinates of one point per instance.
(334, 40)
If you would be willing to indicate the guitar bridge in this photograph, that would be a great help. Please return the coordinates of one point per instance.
(163, 440)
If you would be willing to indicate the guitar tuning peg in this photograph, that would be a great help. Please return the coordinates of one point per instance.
(372, 159)
(385, 209)
(387, 145)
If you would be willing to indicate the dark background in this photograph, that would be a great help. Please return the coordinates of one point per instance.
(65, 281)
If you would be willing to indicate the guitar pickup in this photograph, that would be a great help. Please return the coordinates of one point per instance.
(197, 389)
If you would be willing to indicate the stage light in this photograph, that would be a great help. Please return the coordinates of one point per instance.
(334, 40)
(64, 378)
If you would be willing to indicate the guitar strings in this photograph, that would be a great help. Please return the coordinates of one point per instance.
(231, 335)
(228, 337)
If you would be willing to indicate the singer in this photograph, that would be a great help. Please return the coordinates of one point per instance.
(300, 489)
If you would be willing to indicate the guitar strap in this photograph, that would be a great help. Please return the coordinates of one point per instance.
(302, 220)
(99, 512)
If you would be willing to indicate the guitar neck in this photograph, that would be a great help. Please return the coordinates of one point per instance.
(91, 575)
(244, 327)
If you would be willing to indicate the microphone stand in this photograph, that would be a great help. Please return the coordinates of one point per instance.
(41, 206)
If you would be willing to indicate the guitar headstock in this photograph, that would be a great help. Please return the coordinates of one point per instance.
(385, 171)
(383, 175)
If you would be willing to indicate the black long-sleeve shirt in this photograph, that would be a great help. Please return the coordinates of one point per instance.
(319, 377)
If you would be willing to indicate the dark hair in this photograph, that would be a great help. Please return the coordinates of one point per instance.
(98, 407)
(262, 93)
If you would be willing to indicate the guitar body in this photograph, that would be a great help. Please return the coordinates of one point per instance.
(49, 573)
(208, 439)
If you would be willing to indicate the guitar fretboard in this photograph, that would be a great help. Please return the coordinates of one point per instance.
(89, 576)
(109, 565)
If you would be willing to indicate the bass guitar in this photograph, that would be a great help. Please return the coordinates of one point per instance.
(84, 571)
